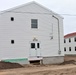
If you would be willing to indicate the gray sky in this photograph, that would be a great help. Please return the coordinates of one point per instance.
(58, 6)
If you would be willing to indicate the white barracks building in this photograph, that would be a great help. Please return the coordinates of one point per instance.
(31, 32)
(70, 44)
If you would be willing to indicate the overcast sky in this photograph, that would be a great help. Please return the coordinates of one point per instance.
(59, 6)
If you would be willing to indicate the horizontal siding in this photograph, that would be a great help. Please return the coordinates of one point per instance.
(20, 31)
(72, 44)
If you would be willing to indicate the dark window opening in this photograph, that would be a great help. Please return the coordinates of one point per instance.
(38, 45)
(35, 62)
(34, 23)
(75, 39)
(64, 49)
(32, 45)
(69, 40)
(12, 18)
(69, 48)
(64, 41)
(75, 48)
(12, 41)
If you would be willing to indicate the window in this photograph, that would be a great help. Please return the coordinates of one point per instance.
(32, 45)
(64, 41)
(12, 18)
(64, 48)
(69, 48)
(38, 45)
(75, 48)
(75, 39)
(34, 23)
(69, 40)
(12, 41)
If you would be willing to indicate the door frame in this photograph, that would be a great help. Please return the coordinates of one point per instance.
(36, 48)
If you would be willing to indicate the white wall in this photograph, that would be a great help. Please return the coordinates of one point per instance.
(20, 30)
(71, 44)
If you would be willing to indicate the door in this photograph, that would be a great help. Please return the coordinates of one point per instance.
(35, 49)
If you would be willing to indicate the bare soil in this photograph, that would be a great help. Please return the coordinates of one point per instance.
(8, 65)
(66, 68)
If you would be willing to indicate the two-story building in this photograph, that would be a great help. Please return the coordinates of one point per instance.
(31, 32)
(70, 44)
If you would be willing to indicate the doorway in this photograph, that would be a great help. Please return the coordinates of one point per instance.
(35, 49)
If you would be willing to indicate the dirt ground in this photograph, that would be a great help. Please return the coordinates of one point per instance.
(67, 68)
(7, 65)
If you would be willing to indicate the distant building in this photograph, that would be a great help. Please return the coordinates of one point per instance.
(70, 44)
(31, 32)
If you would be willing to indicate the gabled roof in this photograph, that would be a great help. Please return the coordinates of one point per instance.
(33, 2)
(70, 35)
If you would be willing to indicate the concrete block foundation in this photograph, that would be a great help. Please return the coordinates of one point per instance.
(53, 60)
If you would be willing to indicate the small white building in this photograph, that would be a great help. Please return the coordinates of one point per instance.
(70, 44)
(31, 32)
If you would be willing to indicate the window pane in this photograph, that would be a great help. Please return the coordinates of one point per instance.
(69, 48)
(34, 23)
(12, 41)
(64, 41)
(64, 48)
(75, 48)
(38, 45)
(34, 26)
(75, 39)
(32, 45)
(12, 18)
(69, 40)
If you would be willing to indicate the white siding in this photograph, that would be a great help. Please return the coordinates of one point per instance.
(71, 44)
(21, 32)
